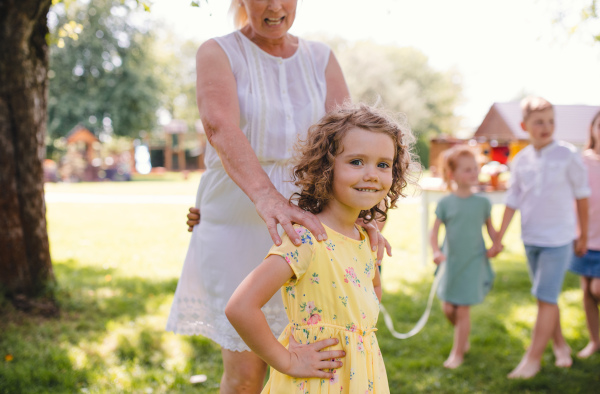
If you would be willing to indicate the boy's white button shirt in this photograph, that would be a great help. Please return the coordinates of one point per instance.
(543, 186)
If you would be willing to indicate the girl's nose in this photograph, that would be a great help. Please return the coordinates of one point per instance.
(370, 175)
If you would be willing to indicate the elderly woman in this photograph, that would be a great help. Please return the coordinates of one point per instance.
(258, 89)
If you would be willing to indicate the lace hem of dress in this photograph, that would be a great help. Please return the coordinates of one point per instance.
(195, 317)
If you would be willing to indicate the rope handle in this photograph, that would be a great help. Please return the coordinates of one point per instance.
(423, 320)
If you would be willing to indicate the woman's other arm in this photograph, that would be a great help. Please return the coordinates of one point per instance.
(244, 312)
(337, 89)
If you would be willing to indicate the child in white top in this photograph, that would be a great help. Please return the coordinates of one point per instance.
(354, 162)
(546, 178)
(588, 265)
(468, 276)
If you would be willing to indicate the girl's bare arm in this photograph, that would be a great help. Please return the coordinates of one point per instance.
(244, 312)
(438, 256)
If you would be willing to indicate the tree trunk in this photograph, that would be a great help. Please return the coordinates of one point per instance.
(25, 265)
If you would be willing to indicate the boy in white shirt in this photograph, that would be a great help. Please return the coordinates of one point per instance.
(546, 177)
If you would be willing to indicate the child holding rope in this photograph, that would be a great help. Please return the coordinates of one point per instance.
(353, 159)
(467, 277)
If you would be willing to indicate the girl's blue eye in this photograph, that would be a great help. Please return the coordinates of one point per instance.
(383, 165)
(355, 162)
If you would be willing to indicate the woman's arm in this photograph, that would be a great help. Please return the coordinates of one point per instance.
(438, 256)
(218, 104)
(337, 89)
(244, 312)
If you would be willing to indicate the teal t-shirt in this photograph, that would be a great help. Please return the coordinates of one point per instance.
(468, 276)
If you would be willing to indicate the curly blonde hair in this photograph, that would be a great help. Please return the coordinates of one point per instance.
(313, 171)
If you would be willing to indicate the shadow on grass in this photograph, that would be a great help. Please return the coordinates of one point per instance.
(109, 337)
(500, 332)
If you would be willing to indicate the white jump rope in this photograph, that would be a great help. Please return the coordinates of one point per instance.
(423, 320)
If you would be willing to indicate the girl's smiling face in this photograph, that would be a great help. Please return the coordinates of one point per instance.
(362, 171)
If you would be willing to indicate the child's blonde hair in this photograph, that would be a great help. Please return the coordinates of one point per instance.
(449, 161)
(313, 172)
(592, 142)
(533, 104)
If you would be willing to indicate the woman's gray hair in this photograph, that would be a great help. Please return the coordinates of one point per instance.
(238, 12)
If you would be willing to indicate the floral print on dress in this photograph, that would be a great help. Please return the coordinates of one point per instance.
(305, 235)
(315, 278)
(310, 307)
(291, 291)
(344, 300)
(360, 346)
(329, 245)
(291, 256)
(351, 277)
(369, 268)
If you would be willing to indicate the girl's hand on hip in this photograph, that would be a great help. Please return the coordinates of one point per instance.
(274, 209)
(310, 361)
(193, 218)
(378, 241)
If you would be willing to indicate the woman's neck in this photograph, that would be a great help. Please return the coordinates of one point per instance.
(342, 221)
(284, 46)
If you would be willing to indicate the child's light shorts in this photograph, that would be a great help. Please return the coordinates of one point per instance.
(547, 268)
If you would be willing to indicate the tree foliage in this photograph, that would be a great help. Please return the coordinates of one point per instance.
(581, 16)
(103, 73)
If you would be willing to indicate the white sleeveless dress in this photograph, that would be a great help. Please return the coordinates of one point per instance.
(279, 99)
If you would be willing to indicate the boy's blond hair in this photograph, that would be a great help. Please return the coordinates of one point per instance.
(533, 104)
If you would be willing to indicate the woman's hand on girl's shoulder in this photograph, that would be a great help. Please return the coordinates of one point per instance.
(274, 209)
(378, 241)
(310, 361)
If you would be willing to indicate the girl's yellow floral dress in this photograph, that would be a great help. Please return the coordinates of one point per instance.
(332, 296)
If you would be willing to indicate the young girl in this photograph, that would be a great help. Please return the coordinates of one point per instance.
(467, 277)
(353, 159)
(588, 265)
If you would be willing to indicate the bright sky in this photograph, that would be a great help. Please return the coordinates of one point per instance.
(501, 48)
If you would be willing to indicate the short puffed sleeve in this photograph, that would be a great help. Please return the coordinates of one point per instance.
(298, 257)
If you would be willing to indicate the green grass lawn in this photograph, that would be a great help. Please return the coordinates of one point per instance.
(117, 267)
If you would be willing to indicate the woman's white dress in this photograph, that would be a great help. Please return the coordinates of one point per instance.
(279, 99)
